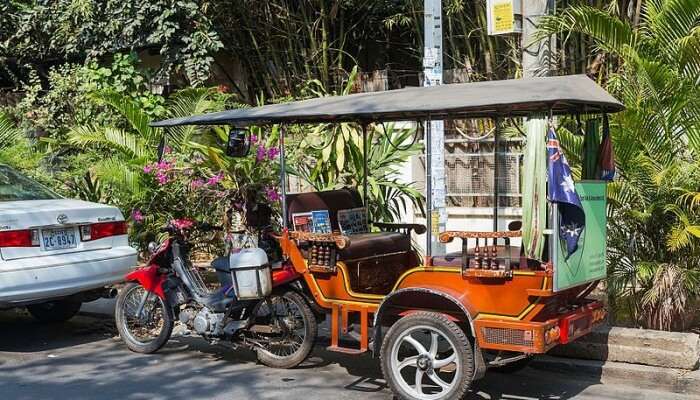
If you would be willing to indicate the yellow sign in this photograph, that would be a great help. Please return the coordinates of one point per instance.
(501, 17)
(435, 222)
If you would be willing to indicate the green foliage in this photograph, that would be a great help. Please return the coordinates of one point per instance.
(332, 159)
(124, 77)
(49, 108)
(9, 134)
(82, 30)
(331, 156)
(654, 68)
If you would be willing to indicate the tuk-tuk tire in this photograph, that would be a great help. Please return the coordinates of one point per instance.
(438, 321)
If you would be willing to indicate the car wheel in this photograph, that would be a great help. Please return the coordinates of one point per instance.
(55, 311)
(425, 356)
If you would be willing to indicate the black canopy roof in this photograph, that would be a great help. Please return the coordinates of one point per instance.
(516, 97)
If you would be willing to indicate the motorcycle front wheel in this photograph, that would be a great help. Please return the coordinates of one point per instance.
(149, 331)
(284, 330)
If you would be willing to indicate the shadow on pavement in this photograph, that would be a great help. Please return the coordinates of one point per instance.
(90, 362)
(21, 333)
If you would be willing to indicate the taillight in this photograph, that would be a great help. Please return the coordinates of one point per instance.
(102, 230)
(20, 238)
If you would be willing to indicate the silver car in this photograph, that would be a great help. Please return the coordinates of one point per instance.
(56, 253)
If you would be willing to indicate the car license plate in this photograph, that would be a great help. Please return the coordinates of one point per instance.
(57, 239)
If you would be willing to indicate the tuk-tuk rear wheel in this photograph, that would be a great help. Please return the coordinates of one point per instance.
(426, 356)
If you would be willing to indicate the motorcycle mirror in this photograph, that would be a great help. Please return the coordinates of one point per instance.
(238, 144)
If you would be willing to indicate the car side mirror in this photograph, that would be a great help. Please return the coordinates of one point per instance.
(238, 144)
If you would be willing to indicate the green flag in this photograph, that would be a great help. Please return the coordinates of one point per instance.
(535, 187)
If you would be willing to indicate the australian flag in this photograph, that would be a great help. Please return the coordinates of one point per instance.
(561, 190)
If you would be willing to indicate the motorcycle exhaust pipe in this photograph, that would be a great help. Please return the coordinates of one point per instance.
(110, 293)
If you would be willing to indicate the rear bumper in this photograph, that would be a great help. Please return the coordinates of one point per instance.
(28, 280)
(539, 337)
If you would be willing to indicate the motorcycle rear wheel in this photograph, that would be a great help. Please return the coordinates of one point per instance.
(142, 334)
(297, 341)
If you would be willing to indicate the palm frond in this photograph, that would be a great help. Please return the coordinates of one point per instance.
(610, 33)
(109, 137)
(9, 133)
(131, 111)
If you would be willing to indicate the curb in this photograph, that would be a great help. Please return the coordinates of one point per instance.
(635, 346)
(643, 376)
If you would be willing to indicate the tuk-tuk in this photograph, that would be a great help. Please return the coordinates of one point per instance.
(439, 321)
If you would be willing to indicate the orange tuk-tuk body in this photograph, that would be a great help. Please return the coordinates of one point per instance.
(439, 321)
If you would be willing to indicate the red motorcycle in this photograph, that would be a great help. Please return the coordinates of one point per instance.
(255, 306)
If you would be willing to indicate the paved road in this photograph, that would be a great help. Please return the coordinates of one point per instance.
(83, 360)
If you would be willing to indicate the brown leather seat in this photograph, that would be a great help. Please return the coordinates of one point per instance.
(365, 245)
(454, 259)
(361, 245)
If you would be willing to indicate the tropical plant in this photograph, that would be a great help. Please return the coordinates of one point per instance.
(332, 155)
(128, 147)
(9, 133)
(652, 65)
(253, 180)
(340, 163)
(180, 186)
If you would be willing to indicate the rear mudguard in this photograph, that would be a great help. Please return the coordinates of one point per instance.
(149, 278)
(284, 275)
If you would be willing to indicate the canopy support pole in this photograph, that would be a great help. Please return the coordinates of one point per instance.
(364, 165)
(283, 178)
(496, 134)
(428, 191)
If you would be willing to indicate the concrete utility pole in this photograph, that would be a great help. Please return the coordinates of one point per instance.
(435, 146)
(535, 57)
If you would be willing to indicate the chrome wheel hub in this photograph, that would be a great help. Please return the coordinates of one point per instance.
(424, 363)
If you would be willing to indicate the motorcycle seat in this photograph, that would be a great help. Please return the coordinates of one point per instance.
(221, 264)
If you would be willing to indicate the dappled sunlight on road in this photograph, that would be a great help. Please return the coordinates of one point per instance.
(83, 359)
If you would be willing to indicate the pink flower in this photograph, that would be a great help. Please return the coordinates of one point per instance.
(148, 168)
(214, 180)
(272, 153)
(137, 215)
(261, 154)
(272, 194)
(161, 177)
(253, 138)
(196, 184)
(182, 223)
(167, 150)
(164, 165)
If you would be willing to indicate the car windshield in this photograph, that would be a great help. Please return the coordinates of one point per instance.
(15, 186)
